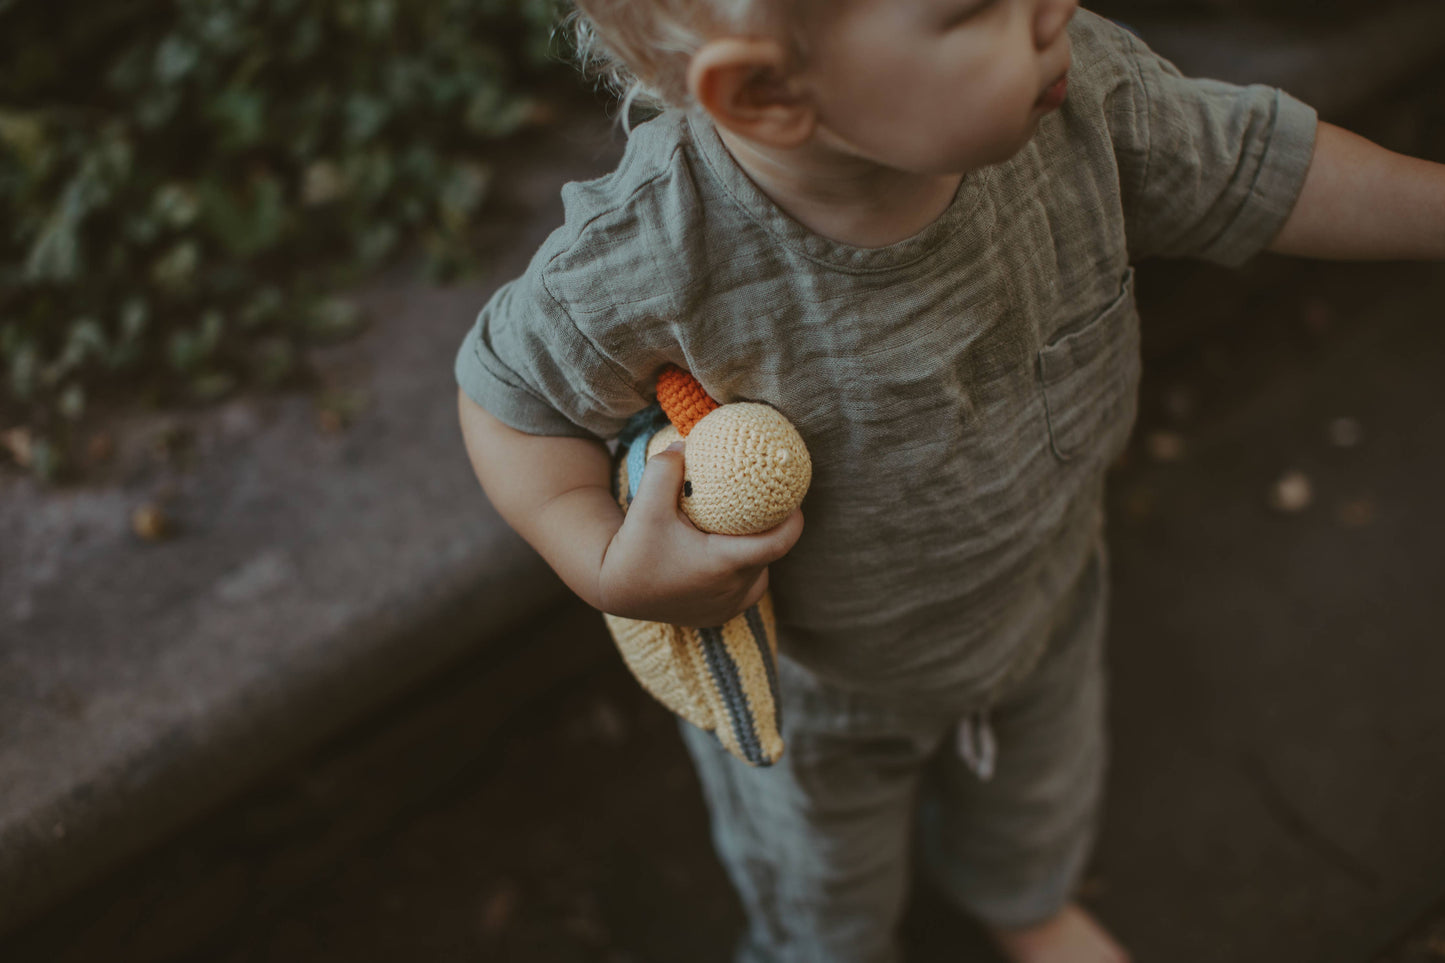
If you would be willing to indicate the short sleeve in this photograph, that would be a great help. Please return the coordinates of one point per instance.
(528, 364)
(1208, 169)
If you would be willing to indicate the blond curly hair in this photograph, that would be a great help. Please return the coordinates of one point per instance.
(640, 49)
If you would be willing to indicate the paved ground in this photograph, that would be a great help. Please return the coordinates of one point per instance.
(1279, 768)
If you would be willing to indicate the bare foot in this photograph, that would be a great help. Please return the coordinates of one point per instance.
(1071, 936)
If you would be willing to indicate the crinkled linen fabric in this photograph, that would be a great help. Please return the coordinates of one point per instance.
(961, 392)
(817, 847)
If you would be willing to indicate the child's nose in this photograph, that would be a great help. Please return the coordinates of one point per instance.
(1050, 20)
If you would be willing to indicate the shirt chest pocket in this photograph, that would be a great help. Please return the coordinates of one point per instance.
(1089, 376)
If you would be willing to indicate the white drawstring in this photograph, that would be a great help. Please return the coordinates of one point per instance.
(977, 745)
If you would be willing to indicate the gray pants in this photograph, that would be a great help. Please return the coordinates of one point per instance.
(819, 845)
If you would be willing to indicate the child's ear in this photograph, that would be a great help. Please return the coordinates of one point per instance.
(746, 85)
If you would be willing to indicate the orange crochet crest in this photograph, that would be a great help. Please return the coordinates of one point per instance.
(682, 398)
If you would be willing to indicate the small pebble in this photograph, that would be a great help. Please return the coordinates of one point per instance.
(1292, 493)
(150, 523)
(1355, 513)
(18, 442)
(330, 421)
(1165, 446)
(1346, 433)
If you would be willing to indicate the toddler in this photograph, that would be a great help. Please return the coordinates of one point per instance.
(908, 225)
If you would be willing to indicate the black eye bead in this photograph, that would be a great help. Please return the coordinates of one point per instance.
(687, 489)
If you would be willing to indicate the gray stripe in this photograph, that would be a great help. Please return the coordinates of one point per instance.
(725, 675)
(760, 636)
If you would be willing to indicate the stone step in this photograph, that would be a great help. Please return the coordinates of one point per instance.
(313, 572)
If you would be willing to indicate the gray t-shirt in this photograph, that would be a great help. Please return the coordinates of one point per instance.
(961, 392)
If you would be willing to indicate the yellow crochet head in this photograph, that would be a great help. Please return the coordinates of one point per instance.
(746, 469)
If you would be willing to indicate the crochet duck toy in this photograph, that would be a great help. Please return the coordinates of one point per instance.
(746, 470)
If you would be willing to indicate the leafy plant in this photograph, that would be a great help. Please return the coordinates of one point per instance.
(182, 180)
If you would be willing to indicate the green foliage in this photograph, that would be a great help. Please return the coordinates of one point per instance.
(181, 179)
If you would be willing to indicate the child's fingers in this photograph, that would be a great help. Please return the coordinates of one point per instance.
(661, 485)
(756, 592)
(764, 548)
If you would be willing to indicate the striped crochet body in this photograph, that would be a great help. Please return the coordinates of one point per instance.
(746, 470)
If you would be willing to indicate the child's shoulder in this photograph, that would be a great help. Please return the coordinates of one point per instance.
(1099, 38)
(1105, 52)
(650, 157)
(1116, 82)
(630, 235)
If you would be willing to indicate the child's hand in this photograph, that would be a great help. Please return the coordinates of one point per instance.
(659, 568)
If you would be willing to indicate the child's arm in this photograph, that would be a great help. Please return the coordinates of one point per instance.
(1363, 202)
(652, 565)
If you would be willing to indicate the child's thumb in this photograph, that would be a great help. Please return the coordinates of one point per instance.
(661, 483)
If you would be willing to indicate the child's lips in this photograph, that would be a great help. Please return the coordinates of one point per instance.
(1054, 96)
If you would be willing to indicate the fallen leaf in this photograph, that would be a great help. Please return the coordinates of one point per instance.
(1292, 493)
(150, 523)
(18, 441)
